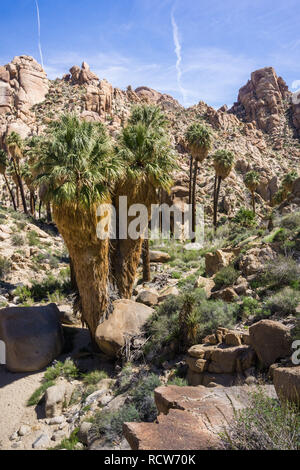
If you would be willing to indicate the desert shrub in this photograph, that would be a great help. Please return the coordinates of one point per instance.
(24, 294)
(109, 424)
(93, 377)
(70, 442)
(213, 313)
(17, 239)
(143, 398)
(187, 283)
(65, 369)
(33, 238)
(5, 267)
(281, 235)
(124, 379)
(281, 270)
(291, 221)
(40, 291)
(244, 217)
(179, 381)
(226, 277)
(251, 307)
(34, 399)
(189, 314)
(175, 275)
(284, 301)
(264, 425)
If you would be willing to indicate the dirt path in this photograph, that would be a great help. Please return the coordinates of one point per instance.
(15, 389)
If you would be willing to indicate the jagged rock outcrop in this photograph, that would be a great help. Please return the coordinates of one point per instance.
(151, 96)
(296, 110)
(81, 76)
(23, 83)
(262, 99)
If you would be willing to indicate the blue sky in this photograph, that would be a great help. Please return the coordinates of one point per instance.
(192, 49)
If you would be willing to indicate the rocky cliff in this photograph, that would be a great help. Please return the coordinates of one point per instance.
(262, 128)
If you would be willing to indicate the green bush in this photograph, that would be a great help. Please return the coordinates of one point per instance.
(65, 369)
(283, 302)
(17, 239)
(33, 238)
(226, 277)
(5, 267)
(251, 307)
(51, 288)
(93, 377)
(39, 392)
(282, 270)
(245, 218)
(142, 397)
(108, 425)
(264, 425)
(179, 381)
(291, 221)
(205, 316)
(70, 442)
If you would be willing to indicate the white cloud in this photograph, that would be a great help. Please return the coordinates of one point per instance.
(178, 55)
(296, 84)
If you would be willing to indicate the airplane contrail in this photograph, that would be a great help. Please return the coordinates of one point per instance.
(39, 31)
(178, 55)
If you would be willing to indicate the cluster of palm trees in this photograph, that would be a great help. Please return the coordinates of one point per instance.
(79, 167)
(285, 187)
(76, 166)
(199, 143)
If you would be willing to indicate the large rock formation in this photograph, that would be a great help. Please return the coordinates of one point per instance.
(287, 383)
(271, 341)
(262, 99)
(32, 336)
(23, 83)
(124, 323)
(296, 110)
(190, 418)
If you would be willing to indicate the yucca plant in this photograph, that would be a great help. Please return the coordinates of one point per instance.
(223, 164)
(252, 180)
(78, 168)
(199, 141)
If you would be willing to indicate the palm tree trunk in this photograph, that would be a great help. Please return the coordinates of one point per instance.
(214, 198)
(20, 184)
(40, 208)
(190, 180)
(32, 203)
(90, 259)
(74, 285)
(127, 253)
(216, 202)
(17, 196)
(10, 192)
(194, 200)
(253, 201)
(146, 261)
(49, 216)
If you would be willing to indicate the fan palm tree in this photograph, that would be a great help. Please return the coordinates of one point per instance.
(152, 117)
(199, 143)
(288, 181)
(78, 169)
(252, 180)
(146, 152)
(223, 164)
(3, 168)
(14, 145)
